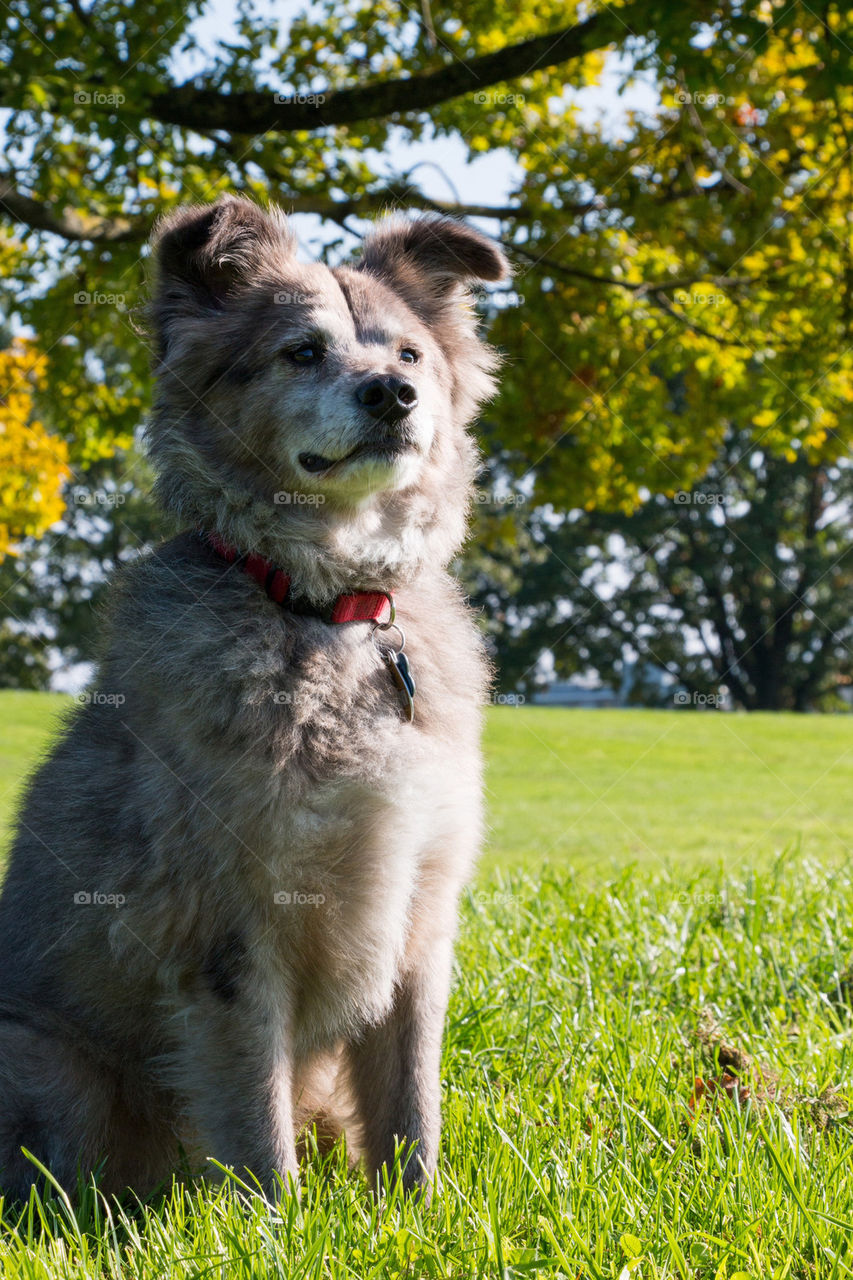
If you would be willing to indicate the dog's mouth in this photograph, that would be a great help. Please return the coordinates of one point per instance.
(385, 449)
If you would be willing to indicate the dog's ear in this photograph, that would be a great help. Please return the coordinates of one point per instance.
(426, 259)
(204, 253)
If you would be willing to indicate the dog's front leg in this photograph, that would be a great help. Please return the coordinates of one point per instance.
(394, 1070)
(236, 1073)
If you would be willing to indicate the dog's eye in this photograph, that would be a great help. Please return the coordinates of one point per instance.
(409, 356)
(307, 353)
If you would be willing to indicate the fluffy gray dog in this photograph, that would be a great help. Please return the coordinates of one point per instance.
(234, 884)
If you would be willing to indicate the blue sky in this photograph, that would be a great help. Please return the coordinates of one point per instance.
(446, 172)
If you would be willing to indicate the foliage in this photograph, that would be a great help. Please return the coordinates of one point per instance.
(740, 588)
(669, 275)
(32, 462)
(53, 592)
(684, 275)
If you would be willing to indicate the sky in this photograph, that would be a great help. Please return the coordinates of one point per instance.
(446, 172)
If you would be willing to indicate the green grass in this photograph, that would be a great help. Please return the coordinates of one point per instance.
(588, 789)
(26, 723)
(666, 788)
(634, 915)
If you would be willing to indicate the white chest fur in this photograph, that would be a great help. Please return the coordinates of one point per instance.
(352, 881)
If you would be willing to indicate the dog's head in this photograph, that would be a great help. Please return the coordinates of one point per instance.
(320, 399)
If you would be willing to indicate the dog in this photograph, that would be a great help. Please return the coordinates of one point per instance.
(232, 895)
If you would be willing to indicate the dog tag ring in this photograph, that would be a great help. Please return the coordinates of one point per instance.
(398, 665)
(400, 671)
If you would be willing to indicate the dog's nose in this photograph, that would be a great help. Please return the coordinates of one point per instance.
(387, 398)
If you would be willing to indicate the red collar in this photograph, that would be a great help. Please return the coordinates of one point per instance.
(361, 606)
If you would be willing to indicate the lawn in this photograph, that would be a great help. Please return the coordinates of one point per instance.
(649, 1059)
(26, 721)
(666, 788)
(593, 790)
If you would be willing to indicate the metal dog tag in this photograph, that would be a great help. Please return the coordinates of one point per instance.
(401, 674)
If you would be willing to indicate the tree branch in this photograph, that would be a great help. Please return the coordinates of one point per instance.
(654, 291)
(395, 197)
(640, 287)
(70, 226)
(41, 216)
(260, 111)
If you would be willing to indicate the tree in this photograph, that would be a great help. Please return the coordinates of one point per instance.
(52, 591)
(32, 464)
(709, 242)
(692, 272)
(743, 586)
